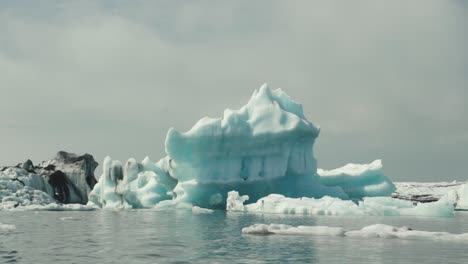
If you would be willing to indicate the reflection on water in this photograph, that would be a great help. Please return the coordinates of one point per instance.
(180, 237)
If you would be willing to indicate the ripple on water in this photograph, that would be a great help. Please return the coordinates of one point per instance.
(9, 256)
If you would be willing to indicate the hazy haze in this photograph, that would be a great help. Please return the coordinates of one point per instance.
(383, 79)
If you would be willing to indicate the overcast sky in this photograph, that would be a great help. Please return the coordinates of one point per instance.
(383, 79)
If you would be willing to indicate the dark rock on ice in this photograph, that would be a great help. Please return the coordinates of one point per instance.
(68, 177)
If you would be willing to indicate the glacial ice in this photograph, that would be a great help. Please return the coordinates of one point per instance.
(459, 197)
(7, 227)
(453, 192)
(19, 188)
(265, 147)
(264, 151)
(199, 210)
(136, 185)
(462, 197)
(426, 191)
(372, 231)
(67, 179)
(359, 180)
(381, 206)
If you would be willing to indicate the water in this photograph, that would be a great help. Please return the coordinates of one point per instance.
(144, 236)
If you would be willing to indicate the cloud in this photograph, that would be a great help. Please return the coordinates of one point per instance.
(382, 79)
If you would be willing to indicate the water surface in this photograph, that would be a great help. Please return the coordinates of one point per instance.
(143, 236)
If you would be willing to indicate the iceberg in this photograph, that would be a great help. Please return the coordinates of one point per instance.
(462, 197)
(372, 231)
(264, 150)
(199, 210)
(459, 197)
(135, 185)
(67, 179)
(7, 227)
(425, 192)
(359, 180)
(18, 188)
(264, 147)
(376, 206)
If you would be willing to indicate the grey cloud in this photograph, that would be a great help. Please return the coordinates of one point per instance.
(382, 79)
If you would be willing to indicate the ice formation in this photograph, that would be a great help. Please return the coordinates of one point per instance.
(425, 191)
(264, 151)
(136, 185)
(459, 197)
(453, 192)
(199, 210)
(278, 204)
(359, 181)
(19, 188)
(7, 227)
(462, 197)
(265, 147)
(68, 178)
(372, 231)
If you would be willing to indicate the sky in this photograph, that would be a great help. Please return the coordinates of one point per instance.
(383, 79)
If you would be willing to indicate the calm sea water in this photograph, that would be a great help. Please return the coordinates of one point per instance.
(143, 236)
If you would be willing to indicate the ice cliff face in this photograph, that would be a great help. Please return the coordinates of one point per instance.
(68, 178)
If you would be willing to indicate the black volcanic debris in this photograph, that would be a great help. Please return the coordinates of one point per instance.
(27, 165)
(50, 167)
(70, 176)
(88, 165)
(59, 182)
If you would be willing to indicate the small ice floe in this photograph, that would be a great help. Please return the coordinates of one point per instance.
(199, 210)
(372, 231)
(6, 227)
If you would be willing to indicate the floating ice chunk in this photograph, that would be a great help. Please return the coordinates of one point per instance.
(136, 185)
(280, 229)
(372, 231)
(426, 191)
(462, 197)
(385, 206)
(58, 207)
(396, 207)
(235, 202)
(6, 227)
(199, 210)
(359, 180)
